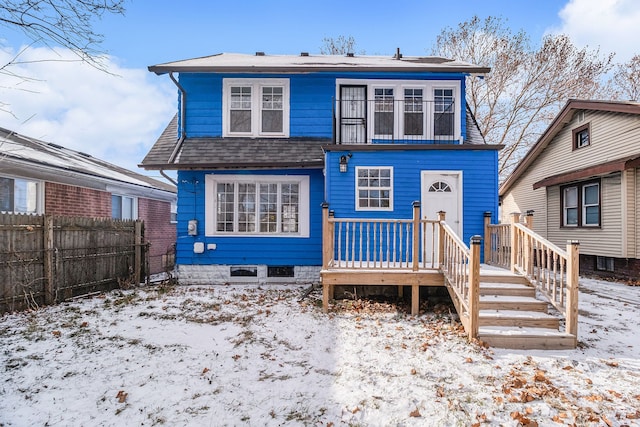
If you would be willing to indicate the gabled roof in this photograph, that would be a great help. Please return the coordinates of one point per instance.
(296, 152)
(237, 62)
(564, 116)
(27, 151)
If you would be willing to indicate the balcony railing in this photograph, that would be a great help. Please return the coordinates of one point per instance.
(388, 121)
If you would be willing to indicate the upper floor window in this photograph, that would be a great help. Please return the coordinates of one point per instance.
(124, 207)
(20, 195)
(443, 117)
(256, 107)
(581, 137)
(374, 188)
(581, 204)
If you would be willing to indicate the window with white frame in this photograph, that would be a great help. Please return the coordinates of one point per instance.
(443, 113)
(256, 107)
(257, 205)
(374, 188)
(581, 204)
(124, 207)
(20, 195)
(383, 114)
(413, 112)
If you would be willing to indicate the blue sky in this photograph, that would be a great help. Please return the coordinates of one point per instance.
(118, 116)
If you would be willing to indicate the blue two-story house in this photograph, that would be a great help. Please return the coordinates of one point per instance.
(260, 142)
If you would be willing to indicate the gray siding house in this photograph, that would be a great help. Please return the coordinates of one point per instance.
(582, 181)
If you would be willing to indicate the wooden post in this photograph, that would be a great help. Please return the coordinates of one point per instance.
(138, 252)
(487, 237)
(528, 219)
(416, 235)
(49, 285)
(415, 299)
(327, 237)
(474, 286)
(573, 267)
(515, 218)
(441, 216)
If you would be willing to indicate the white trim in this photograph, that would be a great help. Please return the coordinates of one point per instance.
(256, 107)
(357, 187)
(134, 205)
(398, 86)
(211, 180)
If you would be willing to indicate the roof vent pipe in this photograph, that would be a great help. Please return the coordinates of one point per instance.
(398, 54)
(259, 53)
(349, 54)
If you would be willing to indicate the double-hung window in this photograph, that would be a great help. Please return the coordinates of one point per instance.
(581, 204)
(443, 113)
(383, 111)
(257, 205)
(413, 112)
(20, 195)
(124, 207)
(374, 188)
(256, 107)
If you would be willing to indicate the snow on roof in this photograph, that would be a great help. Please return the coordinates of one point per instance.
(300, 63)
(20, 147)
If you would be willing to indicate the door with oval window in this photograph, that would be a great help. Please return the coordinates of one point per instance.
(441, 191)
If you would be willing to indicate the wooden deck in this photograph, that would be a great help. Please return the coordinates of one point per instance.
(498, 304)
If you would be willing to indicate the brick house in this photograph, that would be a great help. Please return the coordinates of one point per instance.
(38, 177)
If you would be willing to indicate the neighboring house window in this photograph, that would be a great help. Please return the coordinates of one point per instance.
(257, 205)
(256, 107)
(374, 188)
(605, 263)
(581, 137)
(20, 195)
(174, 213)
(581, 204)
(444, 113)
(124, 207)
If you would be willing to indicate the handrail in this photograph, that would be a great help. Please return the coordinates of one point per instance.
(456, 263)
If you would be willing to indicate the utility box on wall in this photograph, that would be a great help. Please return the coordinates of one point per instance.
(192, 227)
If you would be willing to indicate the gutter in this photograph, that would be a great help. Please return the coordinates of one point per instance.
(183, 134)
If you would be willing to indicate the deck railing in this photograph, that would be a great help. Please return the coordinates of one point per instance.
(552, 270)
(497, 243)
(383, 244)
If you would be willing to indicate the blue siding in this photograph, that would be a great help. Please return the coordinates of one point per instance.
(246, 250)
(311, 99)
(479, 176)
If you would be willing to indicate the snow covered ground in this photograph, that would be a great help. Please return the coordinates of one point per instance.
(258, 356)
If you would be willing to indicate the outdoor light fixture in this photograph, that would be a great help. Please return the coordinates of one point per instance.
(343, 164)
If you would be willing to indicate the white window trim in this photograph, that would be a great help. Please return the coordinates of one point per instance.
(398, 86)
(357, 188)
(134, 206)
(565, 222)
(256, 106)
(585, 205)
(212, 180)
(39, 194)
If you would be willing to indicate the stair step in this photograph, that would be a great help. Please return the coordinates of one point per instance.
(519, 303)
(514, 318)
(514, 289)
(506, 277)
(526, 338)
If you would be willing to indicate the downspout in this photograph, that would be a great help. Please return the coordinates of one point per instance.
(183, 135)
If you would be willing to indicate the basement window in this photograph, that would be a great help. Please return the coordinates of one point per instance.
(243, 271)
(605, 263)
(280, 271)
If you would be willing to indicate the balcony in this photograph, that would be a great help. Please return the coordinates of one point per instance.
(391, 121)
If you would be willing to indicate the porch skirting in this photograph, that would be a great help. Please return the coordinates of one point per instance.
(220, 274)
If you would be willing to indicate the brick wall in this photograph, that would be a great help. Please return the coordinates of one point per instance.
(67, 200)
(624, 268)
(158, 230)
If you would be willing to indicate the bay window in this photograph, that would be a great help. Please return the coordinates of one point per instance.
(257, 205)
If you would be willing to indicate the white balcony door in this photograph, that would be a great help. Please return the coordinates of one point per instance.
(441, 191)
(353, 114)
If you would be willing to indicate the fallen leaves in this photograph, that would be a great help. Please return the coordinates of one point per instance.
(415, 413)
(122, 396)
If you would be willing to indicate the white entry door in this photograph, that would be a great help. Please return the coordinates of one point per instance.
(441, 191)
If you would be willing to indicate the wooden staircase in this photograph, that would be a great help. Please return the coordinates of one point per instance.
(510, 316)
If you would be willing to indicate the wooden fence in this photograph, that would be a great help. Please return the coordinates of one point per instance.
(47, 259)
